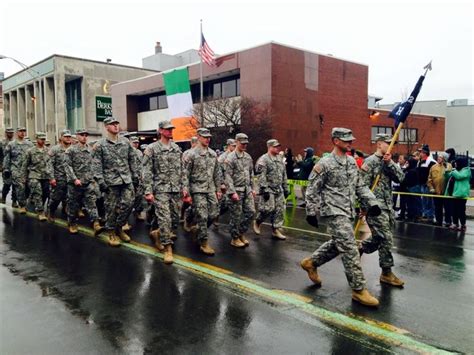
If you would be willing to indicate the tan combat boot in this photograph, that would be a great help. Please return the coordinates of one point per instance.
(173, 235)
(141, 216)
(391, 279)
(168, 257)
(112, 239)
(277, 234)
(42, 217)
(244, 240)
(73, 229)
(96, 227)
(364, 297)
(187, 227)
(124, 236)
(81, 214)
(206, 249)
(256, 228)
(22, 210)
(308, 266)
(126, 227)
(155, 238)
(237, 243)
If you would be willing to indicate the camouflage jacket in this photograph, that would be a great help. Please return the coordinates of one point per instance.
(57, 154)
(3, 145)
(139, 156)
(37, 164)
(239, 172)
(334, 184)
(373, 166)
(221, 159)
(202, 170)
(15, 155)
(271, 174)
(116, 162)
(79, 164)
(163, 168)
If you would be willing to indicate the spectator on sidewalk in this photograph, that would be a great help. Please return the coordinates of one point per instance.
(424, 166)
(410, 184)
(458, 186)
(452, 155)
(306, 164)
(290, 163)
(437, 185)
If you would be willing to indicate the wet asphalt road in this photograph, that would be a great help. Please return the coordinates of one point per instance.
(71, 292)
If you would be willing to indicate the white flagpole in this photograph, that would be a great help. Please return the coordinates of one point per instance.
(201, 82)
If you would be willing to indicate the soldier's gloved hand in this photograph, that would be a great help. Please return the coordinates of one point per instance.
(266, 196)
(312, 221)
(374, 211)
(7, 174)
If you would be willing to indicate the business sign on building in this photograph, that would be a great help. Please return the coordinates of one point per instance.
(103, 107)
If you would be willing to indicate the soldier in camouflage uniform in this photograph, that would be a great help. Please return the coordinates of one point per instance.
(7, 179)
(241, 190)
(117, 174)
(164, 184)
(334, 184)
(140, 204)
(224, 202)
(13, 165)
(381, 226)
(202, 172)
(59, 182)
(39, 171)
(81, 187)
(272, 189)
(187, 209)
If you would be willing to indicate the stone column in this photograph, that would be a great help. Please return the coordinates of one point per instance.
(50, 119)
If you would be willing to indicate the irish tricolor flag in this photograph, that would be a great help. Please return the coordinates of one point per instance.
(180, 103)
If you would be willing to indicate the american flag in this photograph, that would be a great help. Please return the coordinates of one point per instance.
(206, 53)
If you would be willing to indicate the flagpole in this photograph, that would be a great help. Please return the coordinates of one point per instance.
(201, 81)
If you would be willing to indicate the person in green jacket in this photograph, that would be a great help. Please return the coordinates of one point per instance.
(458, 186)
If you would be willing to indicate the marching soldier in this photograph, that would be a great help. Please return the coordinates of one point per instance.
(273, 189)
(7, 181)
(39, 172)
(202, 172)
(164, 184)
(224, 201)
(81, 188)
(117, 173)
(187, 208)
(334, 185)
(13, 165)
(140, 204)
(241, 190)
(381, 226)
(59, 182)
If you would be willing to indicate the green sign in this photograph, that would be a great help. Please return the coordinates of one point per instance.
(103, 107)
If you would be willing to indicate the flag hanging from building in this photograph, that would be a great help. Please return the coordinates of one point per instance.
(206, 53)
(401, 111)
(180, 103)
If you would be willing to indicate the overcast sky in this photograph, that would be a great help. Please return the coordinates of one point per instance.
(395, 39)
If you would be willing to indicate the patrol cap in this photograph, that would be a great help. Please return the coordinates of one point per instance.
(21, 128)
(165, 125)
(242, 138)
(134, 139)
(344, 134)
(273, 143)
(82, 131)
(204, 132)
(9, 130)
(110, 120)
(231, 141)
(40, 135)
(194, 139)
(66, 133)
(47, 142)
(383, 137)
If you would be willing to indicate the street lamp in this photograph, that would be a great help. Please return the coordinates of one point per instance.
(23, 65)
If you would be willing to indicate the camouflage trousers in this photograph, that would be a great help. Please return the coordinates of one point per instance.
(342, 242)
(78, 196)
(206, 209)
(382, 237)
(39, 191)
(166, 205)
(118, 205)
(58, 195)
(7, 185)
(242, 213)
(274, 207)
(20, 187)
(140, 203)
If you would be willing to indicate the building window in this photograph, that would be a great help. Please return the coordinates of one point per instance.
(153, 103)
(74, 104)
(162, 102)
(380, 129)
(408, 135)
(229, 88)
(217, 94)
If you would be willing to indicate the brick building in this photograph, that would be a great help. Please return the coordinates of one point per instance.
(309, 93)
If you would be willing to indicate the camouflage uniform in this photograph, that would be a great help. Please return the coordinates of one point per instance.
(334, 184)
(202, 172)
(39, 170)
(13, 162)
(239, 179)
(164, 177)
(58, 192)
(79, 164)
(7, 179)
(381, 226)
(271, 173)
(188, 209)
(117, 170)
(224, 202)
(139, 204)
